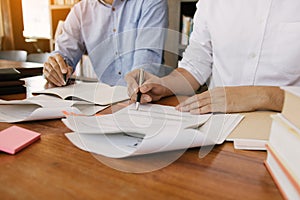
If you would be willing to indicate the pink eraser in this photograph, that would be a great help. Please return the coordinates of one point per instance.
(15, 138)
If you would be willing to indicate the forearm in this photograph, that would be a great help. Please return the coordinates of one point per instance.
(269, 98)
(180, 82)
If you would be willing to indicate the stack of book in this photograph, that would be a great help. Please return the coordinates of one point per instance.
(283, 160)
(10, 82)
(187, 28)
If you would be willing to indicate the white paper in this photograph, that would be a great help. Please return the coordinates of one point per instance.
(43, 107)
(154, 128)
(97, 93)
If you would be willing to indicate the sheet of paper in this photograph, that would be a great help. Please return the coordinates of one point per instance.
(97, 93)
(43, 107)
(256, 125)
(148, 120)
(253, 133)
(154, 128)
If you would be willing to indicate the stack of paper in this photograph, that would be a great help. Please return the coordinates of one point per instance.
(79, 98)
(151, 129)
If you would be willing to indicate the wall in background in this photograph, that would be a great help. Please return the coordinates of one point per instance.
(13, 28)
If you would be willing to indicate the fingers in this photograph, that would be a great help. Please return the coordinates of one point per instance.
(194, 105)
(132, 85)
(210, 101)
(195, 102)
(54, 69)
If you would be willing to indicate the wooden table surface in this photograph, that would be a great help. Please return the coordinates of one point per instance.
(53, 168)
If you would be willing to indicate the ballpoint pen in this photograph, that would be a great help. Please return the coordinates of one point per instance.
(65, 75)
(139, 94)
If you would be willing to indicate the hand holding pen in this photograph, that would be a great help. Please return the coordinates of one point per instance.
(56, 70)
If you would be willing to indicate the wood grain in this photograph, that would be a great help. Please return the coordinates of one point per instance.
(53, 168)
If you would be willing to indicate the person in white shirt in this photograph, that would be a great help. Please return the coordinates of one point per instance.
(244, 51)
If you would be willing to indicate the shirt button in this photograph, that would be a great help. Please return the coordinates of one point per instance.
(252, 55)
(114, 30)
(119, 73)
(113, 8)
(116, 53)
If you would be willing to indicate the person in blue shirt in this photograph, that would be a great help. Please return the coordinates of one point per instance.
(118, 35)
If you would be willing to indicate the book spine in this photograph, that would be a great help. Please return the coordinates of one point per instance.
(286, 141)
(186, 29)
(284, 167)
(291, 108)
(282, 191)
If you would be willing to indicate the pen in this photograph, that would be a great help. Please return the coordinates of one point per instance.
(139, 94)
(65, 78)
(65, 75)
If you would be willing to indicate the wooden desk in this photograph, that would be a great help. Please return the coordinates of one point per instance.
(53, 168)
(26, 68)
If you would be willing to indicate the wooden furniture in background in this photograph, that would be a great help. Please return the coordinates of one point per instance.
(8, 36)
(57, 13)
(173, 39)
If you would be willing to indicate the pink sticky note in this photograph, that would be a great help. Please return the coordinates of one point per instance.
(15, 138)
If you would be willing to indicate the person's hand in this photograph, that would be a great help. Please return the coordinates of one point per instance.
(54, 70)
(152, 88)
(234, 99)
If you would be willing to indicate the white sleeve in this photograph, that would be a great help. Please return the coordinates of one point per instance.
(197, 58)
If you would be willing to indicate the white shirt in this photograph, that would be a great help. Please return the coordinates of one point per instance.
(245, 42)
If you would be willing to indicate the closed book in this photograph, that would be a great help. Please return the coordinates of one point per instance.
(285, 138)
(12, 90)
(282, 175)
(11, 83)
(9, 74)
(291, 106)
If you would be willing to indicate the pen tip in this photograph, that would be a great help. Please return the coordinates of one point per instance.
(137, 105)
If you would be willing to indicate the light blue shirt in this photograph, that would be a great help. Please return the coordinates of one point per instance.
(118, 38)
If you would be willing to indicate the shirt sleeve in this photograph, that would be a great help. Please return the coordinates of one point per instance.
(197, 58)
(70, 42)
(151, 34)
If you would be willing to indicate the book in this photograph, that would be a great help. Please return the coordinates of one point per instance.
(287, 184)
(43, 107)
(12, 90)
(291, 105)
(285, 140)
(14, 139)
(254, 131)
(151, 129)
(97, 93)
(12, 83)
(9, 74)
(187, 27)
